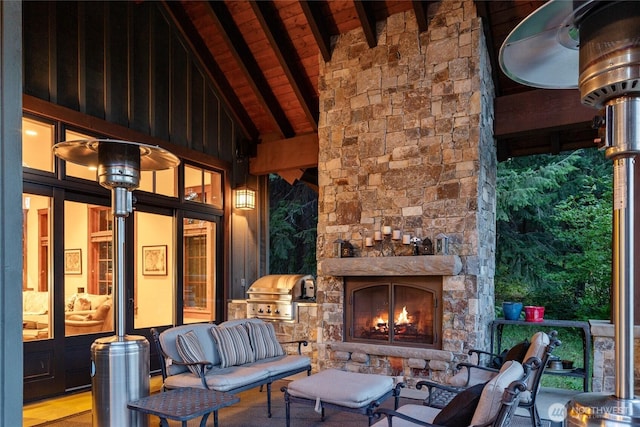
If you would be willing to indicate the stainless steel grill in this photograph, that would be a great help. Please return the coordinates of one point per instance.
(274, 296)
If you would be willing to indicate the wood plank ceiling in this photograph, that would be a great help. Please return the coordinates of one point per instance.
(264, 57)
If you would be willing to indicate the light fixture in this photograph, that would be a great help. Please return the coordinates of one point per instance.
(245, 198)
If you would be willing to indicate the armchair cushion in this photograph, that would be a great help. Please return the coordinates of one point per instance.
(460, 410)
(491, 398)
(233, 344)
(190, 350)
(477, 376)
(263, 340)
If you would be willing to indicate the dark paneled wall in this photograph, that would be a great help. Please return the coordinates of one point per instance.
(124, 62)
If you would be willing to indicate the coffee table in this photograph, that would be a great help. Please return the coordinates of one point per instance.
(184, 404)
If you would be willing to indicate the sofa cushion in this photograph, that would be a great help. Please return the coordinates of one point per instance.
(219, 379)
(233, 344)
(277, 366)
(491, 398)
(168, 342)
(190, 350)
(263, 340)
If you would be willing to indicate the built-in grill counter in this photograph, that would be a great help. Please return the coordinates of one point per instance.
(275, 296)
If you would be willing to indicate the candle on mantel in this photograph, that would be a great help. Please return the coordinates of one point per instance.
(406, 239)
(386, 230)
(396, 235)
(368, 241)
(377, 235)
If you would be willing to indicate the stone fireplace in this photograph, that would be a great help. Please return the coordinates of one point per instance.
(406, 143)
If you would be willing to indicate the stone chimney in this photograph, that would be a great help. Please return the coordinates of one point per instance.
(406, 140)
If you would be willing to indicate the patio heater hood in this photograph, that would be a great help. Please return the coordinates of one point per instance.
(595, 46)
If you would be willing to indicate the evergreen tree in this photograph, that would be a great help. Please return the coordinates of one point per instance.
(293, 220)
(554, 233)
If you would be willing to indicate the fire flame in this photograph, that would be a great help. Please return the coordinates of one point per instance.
(378, 322)
(403, 317)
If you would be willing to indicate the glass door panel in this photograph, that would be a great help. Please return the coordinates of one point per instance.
(36, 268)
(199, 270)
(87, 268)
(154, 289)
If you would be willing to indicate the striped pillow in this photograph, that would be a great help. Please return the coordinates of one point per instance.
(233, 345)
(190, 350)
(263, 340)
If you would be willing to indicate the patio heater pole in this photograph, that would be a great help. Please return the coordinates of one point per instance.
(596, 44)
(120, 363)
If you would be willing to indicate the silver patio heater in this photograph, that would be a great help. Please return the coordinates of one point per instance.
(120, 363)
(595, 46)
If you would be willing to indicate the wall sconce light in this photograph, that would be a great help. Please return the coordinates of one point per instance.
(245, 198)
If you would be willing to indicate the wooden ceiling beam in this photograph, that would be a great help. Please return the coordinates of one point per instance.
(482, 7)
(535, 110)
(200, 49)
(288, 58)
(254, 75)
(367, 21)
(420, 9)
(299, 152)
(313, 13)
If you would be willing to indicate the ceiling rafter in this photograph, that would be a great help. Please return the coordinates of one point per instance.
(288, 58)
(225, 91)
(483, 12)
(367, 21)
(420, 9)
(254, 75)
(313, 13)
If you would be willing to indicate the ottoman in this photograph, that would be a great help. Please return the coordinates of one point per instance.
(341, 390)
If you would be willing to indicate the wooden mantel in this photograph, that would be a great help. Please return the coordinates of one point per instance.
(422, 265)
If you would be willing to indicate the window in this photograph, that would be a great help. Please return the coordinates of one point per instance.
(199, 283)
(101, 250)
(80, 171)
(203, 186)
(37, 140)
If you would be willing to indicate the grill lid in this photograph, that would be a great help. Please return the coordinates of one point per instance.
(278, 285)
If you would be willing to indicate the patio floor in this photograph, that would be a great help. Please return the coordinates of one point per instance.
(74, 410)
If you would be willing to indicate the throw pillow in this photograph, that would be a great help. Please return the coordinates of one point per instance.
(517, 352)
(82, 303)
(101, 311)
(263, 340)
(233, 344)
(190, 350)
(460, 410)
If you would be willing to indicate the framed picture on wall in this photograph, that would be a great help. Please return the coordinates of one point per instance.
(73, 261)
(154, 260)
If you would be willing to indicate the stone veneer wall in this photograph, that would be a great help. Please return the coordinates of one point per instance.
(405, 136)
(604, 346)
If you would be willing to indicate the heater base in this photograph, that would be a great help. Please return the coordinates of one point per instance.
(599, 409)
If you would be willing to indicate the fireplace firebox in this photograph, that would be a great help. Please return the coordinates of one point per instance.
(402, 311)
